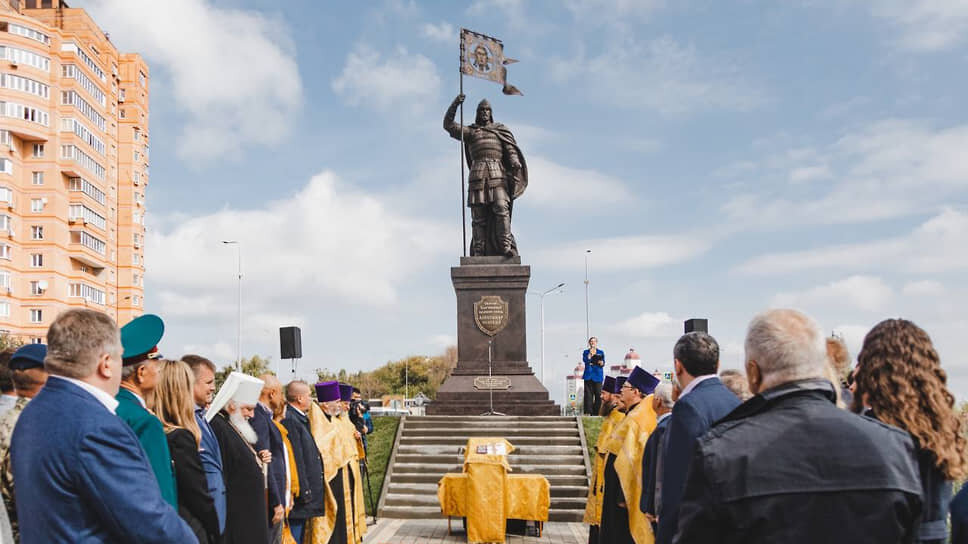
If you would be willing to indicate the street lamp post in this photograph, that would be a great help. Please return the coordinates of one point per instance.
(588, 333)
(406, 383)
(556, 288)
(238, 247)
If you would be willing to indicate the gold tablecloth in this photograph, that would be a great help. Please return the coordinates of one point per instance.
(488, 496)
(528, 496)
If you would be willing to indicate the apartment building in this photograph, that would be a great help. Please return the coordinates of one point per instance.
(73, 168)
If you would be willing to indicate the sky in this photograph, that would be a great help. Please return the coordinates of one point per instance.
(717, 158)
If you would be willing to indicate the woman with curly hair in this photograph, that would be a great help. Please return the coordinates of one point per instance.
(900, 381)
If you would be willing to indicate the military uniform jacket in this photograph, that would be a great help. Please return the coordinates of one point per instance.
(151, 434)
(7, 422)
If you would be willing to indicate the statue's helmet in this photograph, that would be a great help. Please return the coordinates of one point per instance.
(484, 113)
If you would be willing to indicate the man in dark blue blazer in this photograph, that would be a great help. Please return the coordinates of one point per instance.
(209, 452)
(652, 461)
(271, 439)
(703, 401)
(89, 479)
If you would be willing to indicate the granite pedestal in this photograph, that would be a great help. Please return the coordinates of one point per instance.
(491, 299)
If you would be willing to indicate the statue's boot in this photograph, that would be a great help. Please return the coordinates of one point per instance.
(478, 231)
(502, 226)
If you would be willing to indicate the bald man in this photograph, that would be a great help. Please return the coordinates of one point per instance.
(270, 446)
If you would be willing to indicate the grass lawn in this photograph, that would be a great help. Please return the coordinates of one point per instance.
(378, 448)
(592, 427)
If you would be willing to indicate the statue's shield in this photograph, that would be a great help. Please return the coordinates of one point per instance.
(491, 314)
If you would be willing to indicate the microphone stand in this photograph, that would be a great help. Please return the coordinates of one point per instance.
(490, 385)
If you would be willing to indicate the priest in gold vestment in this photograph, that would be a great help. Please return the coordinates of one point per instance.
(612, 412)
(622, 520)
(337, 447)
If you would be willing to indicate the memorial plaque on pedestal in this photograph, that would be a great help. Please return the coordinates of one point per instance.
(491, 317)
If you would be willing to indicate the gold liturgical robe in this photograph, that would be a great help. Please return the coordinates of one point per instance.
(593, 508)
(634, 431)
(336, 445)
(358, 506)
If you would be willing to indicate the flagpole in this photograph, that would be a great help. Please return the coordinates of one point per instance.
(463, 203)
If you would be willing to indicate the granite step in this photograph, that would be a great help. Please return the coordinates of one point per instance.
(401, 488)
(458, 440)
(433, 512)
(556, 480)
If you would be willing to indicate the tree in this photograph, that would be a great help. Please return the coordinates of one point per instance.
(424, 374)
(253, 366)
(9, 341)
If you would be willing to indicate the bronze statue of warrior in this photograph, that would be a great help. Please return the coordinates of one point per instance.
(499, 175)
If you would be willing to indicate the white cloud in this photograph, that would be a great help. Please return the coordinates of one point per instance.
(625, 253)
(925, 25)
(661, 75)
(232, 72)
(378, 81)
(558, 186)
(929, 248)
(867, 293)
(442, 341)
(442, 32)
(884, 170)
(326, 242)
(920, 288)
(649, 325)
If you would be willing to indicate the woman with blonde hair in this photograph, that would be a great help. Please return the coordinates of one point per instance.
(174, 405)
(899, 380)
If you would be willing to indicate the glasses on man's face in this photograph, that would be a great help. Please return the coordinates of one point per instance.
(626, 387)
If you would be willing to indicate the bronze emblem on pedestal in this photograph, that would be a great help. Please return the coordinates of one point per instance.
(491, 314)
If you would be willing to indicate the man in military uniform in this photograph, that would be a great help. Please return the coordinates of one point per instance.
(28, 375)
(499, 174)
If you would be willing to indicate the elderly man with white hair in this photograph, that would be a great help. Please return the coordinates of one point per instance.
(243, 468)
(788, 465)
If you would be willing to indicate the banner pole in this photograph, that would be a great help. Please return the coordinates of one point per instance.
(463, 203)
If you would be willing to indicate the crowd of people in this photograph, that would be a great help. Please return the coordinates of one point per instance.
(103, 440)
(798, 448)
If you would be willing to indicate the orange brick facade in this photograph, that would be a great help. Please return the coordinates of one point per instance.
(73, 169)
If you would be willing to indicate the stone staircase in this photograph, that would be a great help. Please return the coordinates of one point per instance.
(427, 447)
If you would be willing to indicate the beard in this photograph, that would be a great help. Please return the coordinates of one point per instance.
(245, 429)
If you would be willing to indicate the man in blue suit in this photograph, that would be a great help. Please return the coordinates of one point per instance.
(652, 461)
(209, 451)
(271, 439)
(89, 479)
(703, 401)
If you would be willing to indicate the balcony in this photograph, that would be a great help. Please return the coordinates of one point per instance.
(87, 249)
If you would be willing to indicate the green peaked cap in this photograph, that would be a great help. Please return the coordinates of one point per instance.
(140, 338)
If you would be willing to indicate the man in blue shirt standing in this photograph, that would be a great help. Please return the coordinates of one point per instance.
(209, 453)
(594, 375)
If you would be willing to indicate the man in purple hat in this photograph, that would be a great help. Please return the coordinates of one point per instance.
(329, 433)
(311, 501)
(622, 520)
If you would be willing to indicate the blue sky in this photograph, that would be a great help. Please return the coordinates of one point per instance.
(718, 158)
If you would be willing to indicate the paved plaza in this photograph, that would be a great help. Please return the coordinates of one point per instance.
(434, 531)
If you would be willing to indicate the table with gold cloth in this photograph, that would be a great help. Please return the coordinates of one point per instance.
(488, 496)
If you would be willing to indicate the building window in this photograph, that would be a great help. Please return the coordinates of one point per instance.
(37, 260)
(88, 241)
(74, 99)
(37, 232)
(70, 124)
(142, 79)
(4, 309)
(135, 259)
(71, 46)
(4, 280)
(38, 150)
(37, 287)
(6, 223)
(22, 56)
(6, 166)
(37, 178)
(88, 188)
(36, 340)
(87, 292)
(136, 155)
(36, 205)
(27, 113)
(82, 212)
(26, 32)
(73, 72)
(135, 300)
(25, 85)
(6, 195)
(5, 138)
(77, 155)
(5, 251)
(36, 316)
(121, 113)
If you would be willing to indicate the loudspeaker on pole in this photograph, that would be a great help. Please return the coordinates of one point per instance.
(697, 325)
(290, 343)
